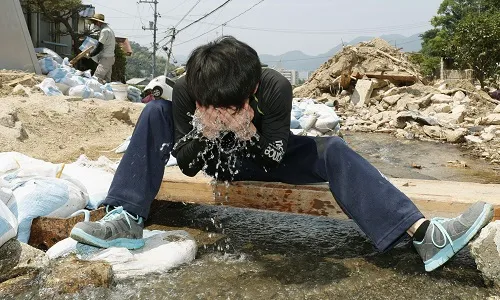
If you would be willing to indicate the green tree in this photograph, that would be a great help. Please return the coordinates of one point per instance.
(476, 44)
(140, 63)
(438, 42)
(59, 12)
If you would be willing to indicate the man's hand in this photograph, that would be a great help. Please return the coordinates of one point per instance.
(240, 122)
(209, 120)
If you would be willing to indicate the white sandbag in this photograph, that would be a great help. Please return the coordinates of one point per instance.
(70, 80)
(98, 95)
(58, 74)
(134, 98)
(45, 196)
(107, 91)
(294, 123)
(163, 251)
(8, 224)
(307, 122)
(79, 79)
(133, 90)
(95, 181)
(172, 161)
(48, 86)
(325, 124)
(81, 91)
(95, 85)
(47, 65)
(26, 166)
(297, 131)
(64, 88)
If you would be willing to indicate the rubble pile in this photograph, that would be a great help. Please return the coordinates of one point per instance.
(375, 59)
(385, 95)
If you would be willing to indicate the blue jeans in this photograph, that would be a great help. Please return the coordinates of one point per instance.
(381, 211)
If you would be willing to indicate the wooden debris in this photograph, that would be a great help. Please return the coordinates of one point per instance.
(20, 80)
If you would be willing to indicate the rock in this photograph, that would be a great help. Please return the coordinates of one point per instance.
(488, 136)
(391, 92)
(384, 116)
(423, 102)
(20, 90)
(20, 287)
(402, 103)
(497, 109)
(8, 119)
(452, 118)
(486, 252)
(18, 259)
(459, 96)
(473, 139)
(434, 132)
(459, 109)
(441, 108)
(456, 136)
(379, 83)
(403, 134)
(391, 100)
(491, 129)
(405, 116)
(441, 98)
(491, 119)
(362, 92)
(329, 103)
(344, 93)
(72, 275)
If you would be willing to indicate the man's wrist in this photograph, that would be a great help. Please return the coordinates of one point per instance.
(247, 133)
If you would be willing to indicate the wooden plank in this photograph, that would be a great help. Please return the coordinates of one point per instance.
(81, 55)
(432, 197)
(19, 80)
(392, 76)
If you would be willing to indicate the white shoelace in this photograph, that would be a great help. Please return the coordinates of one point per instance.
(437, 223)
(116, 213)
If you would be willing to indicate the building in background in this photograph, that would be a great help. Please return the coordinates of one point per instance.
(291, 75)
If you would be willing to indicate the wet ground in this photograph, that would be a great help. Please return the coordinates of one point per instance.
(249, 254)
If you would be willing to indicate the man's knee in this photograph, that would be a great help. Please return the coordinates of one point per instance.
(158, 111)
(335, 144)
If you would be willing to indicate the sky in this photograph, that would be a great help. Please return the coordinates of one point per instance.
(272, 26)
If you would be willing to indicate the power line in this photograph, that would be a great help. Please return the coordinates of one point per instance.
(182, 19)
(223, 24)
(208, 14)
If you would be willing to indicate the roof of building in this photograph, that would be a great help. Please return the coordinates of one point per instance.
(137, 81)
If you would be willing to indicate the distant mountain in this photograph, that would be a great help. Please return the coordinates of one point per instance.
(297, 60)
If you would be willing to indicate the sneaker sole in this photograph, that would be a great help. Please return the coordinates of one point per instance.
(81, 236)
(447, 252)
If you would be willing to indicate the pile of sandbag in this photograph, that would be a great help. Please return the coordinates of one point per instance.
(31, 188)
(313, 119)
(134, 94)
(66, 80)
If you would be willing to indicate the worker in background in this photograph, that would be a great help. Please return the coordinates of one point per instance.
(104, 52)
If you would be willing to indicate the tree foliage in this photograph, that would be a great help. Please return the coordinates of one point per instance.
(454, 31)
(476, 44)
(59, 12)
(140, 63)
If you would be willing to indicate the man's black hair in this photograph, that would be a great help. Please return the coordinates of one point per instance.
(223, 73)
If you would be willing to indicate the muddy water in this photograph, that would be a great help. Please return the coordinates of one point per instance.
(249, 254)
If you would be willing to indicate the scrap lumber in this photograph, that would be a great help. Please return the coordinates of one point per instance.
(393, 76)
(80, 55)
(432, 197)
(21, 79)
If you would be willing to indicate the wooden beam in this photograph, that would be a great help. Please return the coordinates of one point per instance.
(432, 197)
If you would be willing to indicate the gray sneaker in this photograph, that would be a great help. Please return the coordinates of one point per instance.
(117, 228)
(445, 237)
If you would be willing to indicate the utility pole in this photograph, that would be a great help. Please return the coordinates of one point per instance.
(152, 26)
(169, 48)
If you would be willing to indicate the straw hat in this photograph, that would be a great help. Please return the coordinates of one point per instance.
(98, 18)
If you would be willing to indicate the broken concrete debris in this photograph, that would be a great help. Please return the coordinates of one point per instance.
(386, 94)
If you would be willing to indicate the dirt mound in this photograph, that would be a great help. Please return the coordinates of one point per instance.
(59, 129)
